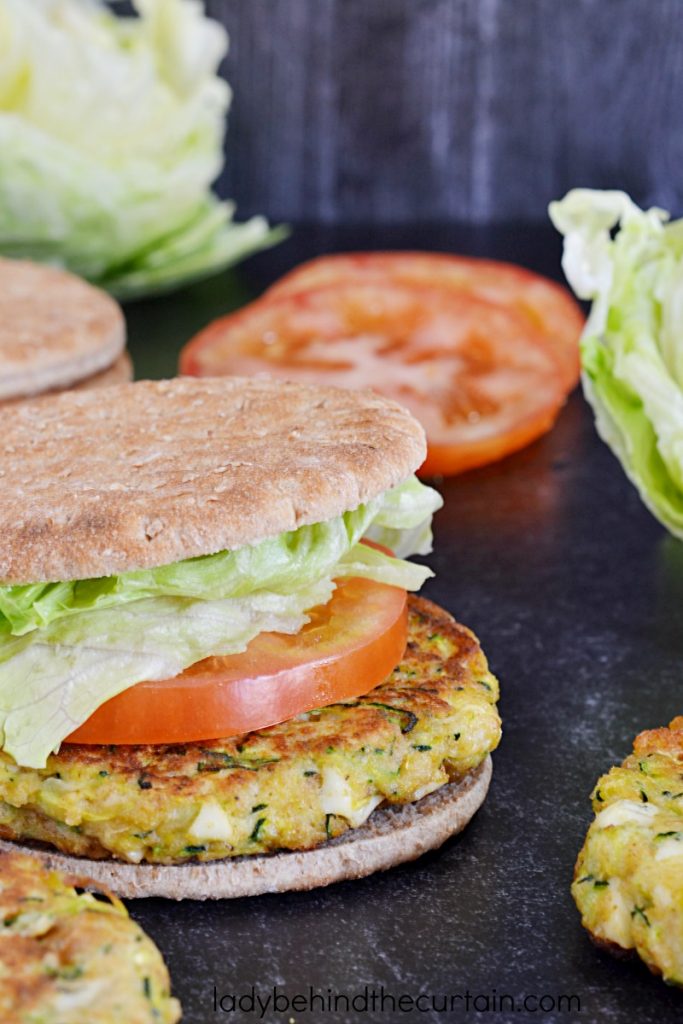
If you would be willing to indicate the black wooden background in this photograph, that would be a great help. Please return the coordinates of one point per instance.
(468, 110)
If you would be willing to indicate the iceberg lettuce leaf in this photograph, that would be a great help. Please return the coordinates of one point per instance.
(280, 564)
(53, 679)
(403, 523)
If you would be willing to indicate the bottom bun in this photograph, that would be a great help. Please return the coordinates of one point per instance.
(392, 835)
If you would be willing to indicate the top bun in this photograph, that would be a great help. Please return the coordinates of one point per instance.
(55, 329)
(95, 483)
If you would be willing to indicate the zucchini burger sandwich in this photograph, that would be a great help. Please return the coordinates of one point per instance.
(212, 680)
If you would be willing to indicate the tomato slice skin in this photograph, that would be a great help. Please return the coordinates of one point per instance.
(547, 305)
(449, 460)
(349, 647)
(480, 379)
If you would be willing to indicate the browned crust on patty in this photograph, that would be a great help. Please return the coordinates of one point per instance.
(619, 953)
(167, 470)
(667, 740)
(613, 948)
(55, 329)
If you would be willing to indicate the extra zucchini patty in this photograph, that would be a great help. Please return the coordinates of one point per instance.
(289, 787)
(628, 881)
(68, 957)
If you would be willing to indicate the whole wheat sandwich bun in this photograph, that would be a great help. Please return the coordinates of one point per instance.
(169, 470)
(56, 331)
(207, 504)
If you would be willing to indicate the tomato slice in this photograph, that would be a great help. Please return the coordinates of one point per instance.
(547, 306)
(350, 646)
(482, 382)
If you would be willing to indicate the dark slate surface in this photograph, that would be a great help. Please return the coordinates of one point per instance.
(577, 596)
(473, 110)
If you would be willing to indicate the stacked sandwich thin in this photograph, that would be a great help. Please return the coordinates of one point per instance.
(56, 332)
(212, 684)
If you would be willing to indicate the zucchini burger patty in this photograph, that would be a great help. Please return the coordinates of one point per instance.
(68, 956)
(628, 881)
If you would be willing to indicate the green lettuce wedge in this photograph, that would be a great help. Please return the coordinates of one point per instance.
(629, 263)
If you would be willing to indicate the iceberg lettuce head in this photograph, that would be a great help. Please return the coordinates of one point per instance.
(111, 133)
